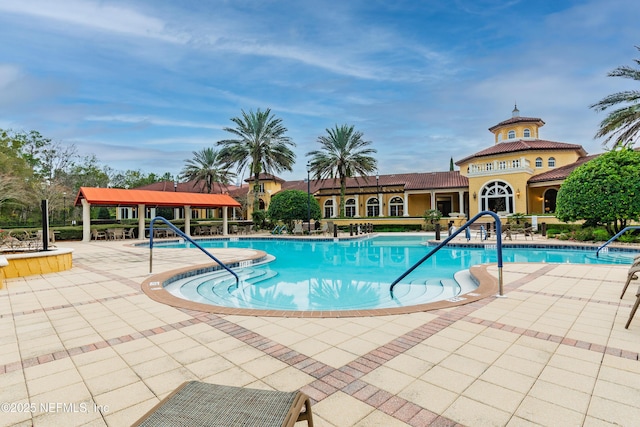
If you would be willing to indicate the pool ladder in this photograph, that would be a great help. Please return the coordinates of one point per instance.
(620, 233)
(465, 227)
(184, 236)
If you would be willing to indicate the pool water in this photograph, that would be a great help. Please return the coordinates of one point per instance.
(355, 274)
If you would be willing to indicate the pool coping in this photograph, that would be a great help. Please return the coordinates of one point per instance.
(153, 287)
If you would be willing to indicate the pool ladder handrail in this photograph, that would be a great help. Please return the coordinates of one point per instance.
(620, 233)
(455, 233)
(184, 236)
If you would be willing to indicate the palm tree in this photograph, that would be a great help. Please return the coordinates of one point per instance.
(622, 124)
(344, 154)
(207, 166)
(261, 145)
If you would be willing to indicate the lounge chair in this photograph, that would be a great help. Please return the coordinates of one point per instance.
(634, 309)
(197, 403)
(632, 274)
(323, 229)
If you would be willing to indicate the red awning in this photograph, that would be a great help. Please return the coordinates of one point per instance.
(122, 197)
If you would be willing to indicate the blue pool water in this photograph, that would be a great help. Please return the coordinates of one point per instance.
(356, 274)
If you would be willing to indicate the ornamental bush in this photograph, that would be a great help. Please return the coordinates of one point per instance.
(603, 191)
(291, 205)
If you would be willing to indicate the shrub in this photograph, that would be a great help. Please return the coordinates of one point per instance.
(601, 235)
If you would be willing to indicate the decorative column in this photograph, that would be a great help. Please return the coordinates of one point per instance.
(433, 199)
(335, 207)
(405, 204)
(461, 201)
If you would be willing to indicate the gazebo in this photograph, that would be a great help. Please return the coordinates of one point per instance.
(88, 196)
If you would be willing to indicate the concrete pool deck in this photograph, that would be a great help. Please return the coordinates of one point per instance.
(87, 347)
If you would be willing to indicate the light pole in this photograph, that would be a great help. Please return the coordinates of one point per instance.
(378, 195)
(308, 199)
(64, 208)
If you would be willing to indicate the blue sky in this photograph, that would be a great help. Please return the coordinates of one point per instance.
(144, 83)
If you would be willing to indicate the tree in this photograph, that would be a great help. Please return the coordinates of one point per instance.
(604, 191)
(622, 124)
(207, 166)
(344, 154)
(291, 205)
(261, 145)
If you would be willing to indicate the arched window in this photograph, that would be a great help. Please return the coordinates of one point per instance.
(328, 209)
(539, 162)
(373, 208)
(262, 204)
(552, 162)
(511, 134)
(396, 207)
(527, 133)
(350, 208)
(497, 196)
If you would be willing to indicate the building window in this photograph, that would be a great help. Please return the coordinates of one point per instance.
(396, 207)
(350, 208)
(328, 209)
(502, 164)
(539, 162)
(497, 196)
(488, 166)
(515, 163)
(511, 134)
(552, 162)
(373, 208)
(527, 133)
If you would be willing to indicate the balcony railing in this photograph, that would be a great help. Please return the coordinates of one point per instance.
(499, 166)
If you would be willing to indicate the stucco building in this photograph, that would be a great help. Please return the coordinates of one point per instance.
(519, 173)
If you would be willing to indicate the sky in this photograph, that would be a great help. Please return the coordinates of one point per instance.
(142, 84)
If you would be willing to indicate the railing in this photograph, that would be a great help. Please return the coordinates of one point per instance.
(620, 233)
(183, 235)
(448, 239)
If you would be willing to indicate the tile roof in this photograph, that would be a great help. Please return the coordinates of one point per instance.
(410, 181)
(523, 145)
(561, 172)
(123, 197)
(192, 186)
(514, 120)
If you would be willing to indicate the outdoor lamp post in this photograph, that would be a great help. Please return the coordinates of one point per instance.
(64, 208)
(308, 199)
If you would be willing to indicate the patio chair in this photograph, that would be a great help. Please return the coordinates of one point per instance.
(297, 228)
(324, 229)
(97, 235)
(634, 309)
(202, 404)
(632, 274)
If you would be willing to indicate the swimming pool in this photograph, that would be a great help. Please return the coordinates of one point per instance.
(314, 275)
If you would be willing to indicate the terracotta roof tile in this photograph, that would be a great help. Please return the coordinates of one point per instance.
(187, 187)
(518, 119)
(410, 181)
(561, 172)
(523, 145)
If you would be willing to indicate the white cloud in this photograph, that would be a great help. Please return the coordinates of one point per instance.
(97, 15)
(149, 120)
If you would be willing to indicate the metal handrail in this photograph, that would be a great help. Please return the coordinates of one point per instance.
(620, 233)
(193, 242)
(455, 233)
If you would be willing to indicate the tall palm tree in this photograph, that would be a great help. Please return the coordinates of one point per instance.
(344, 154)
(622, 124)
(261, 145)
(207, 166)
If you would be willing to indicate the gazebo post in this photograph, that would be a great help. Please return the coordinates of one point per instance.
(225, 220)
(86, 220)
(187, 220)
(141, 224)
